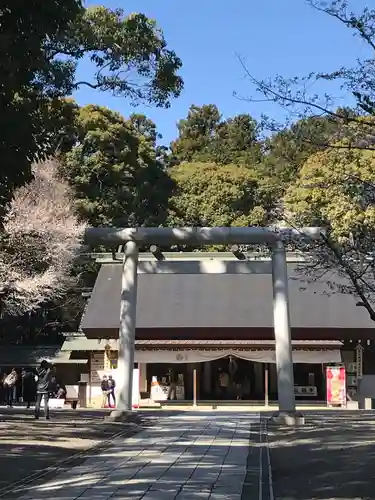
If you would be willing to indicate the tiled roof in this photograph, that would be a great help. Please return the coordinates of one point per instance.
(233, 301)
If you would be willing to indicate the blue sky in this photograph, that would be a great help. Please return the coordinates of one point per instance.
(285, 37)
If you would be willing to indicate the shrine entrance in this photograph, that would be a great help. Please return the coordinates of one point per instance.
(133, 238)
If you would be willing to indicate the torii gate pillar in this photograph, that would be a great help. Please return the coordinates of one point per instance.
(132, 237)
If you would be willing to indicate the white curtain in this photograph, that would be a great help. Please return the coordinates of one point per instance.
(261, 356)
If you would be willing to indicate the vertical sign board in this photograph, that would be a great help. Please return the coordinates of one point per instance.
(359, 361)
(336, 385)
(135, 391)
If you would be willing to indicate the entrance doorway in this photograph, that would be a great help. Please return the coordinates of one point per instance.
(231, 378)
(228, 378)
(235, 379)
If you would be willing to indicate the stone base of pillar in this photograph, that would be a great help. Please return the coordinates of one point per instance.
(293, 418)
(123, 416)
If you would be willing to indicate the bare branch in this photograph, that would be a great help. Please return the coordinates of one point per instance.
(93, 86)
(349, 19)
(353, 278)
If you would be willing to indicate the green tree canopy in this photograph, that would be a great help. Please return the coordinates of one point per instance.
(24, 30)
(129, 53)
(206, 193)
(205, 137)
(41, 45)
(115, 171)
(287, 151)
(335, 189)
(195, 132)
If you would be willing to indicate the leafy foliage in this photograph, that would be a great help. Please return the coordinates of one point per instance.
(24, 30)
(205, 137)
(286, 151)
(335, 189)
(129, 53)
(41, 45)
(208, 194)
(115, 171)
(335, 185)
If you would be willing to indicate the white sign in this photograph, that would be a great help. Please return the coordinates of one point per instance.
(53, 403)
(135, 390)
(159, 392)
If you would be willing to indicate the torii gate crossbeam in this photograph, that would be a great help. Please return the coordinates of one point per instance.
(196, 236)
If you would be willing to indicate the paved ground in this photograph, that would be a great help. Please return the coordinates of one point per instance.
(332, 457)
(190, 456)
(29, 447)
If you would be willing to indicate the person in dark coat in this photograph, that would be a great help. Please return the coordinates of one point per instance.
(111, 391)
(173, 380)
(43, 378)
(105, 389)
(28, 386)
(53, 382)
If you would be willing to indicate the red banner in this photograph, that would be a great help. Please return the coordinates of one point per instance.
(336, 385)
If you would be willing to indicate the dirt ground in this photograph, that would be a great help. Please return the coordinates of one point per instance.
(331, 457)
(28, 446)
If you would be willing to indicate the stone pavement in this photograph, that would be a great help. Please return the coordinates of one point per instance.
(187, 456)
(331, 457)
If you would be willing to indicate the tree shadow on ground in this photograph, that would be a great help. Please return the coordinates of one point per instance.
(184, 457)
(29, 447)
(332, 456)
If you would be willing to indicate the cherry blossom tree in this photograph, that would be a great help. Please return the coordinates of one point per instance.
(40, 241)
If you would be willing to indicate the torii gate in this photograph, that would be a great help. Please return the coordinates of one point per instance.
(197, 236)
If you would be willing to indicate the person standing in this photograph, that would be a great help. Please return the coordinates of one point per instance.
(223, 384)
(173, 379)
(111, 391)
(43, 382)
(53, 383)
(28, 386)
(237, 382)
(104, 388)
(10, 386)
(2, 388)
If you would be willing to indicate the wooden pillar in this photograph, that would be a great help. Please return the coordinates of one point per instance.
(258, 382)
(266, 380)
(90, 379)
(272, 378)
(189, 381)
(207, 376)
(142, 377)
(195, 388)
